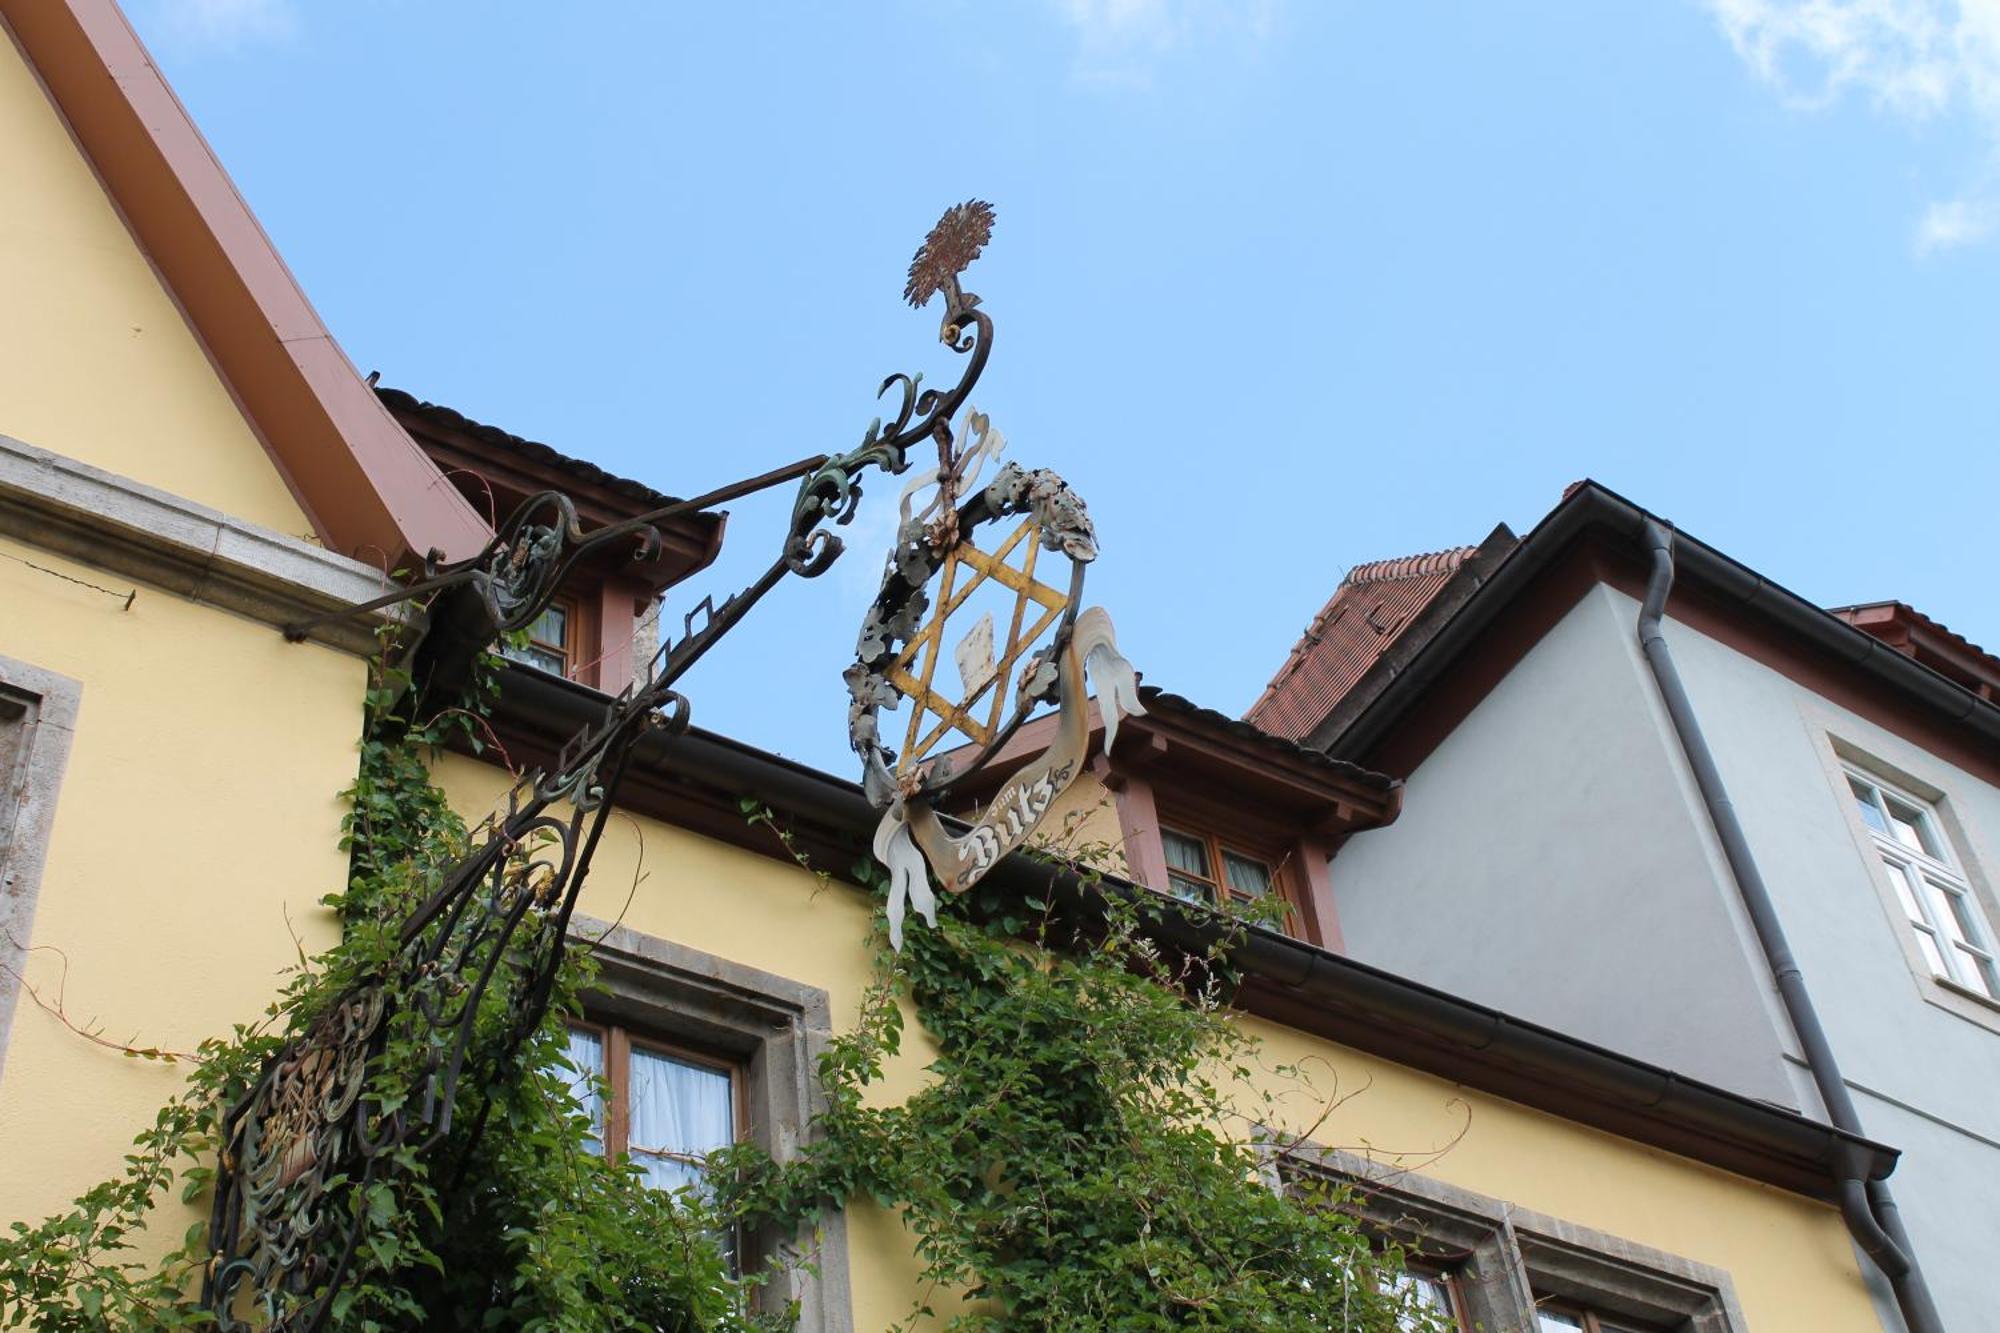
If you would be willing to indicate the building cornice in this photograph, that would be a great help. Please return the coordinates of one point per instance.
(99, 518)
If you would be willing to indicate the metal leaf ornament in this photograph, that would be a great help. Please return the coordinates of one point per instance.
(1053, 648)
(949, 250)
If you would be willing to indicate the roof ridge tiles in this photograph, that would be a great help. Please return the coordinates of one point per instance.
(1410, 566)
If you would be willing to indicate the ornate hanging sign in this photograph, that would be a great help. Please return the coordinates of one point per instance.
(1006, 536)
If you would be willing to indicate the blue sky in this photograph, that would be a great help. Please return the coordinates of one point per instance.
(1281, 286)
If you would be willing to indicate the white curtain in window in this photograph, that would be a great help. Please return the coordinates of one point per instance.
(1247, 877)
(679, 1110)
(586, 1065)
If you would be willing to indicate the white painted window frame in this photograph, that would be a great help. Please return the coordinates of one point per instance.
(1931, 879)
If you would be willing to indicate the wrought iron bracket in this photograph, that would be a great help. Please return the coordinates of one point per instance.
(320, 1128)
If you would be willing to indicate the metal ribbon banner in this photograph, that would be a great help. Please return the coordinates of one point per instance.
(319, 1129)
(899, 650)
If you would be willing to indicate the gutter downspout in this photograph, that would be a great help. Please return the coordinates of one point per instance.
(1867, 1206)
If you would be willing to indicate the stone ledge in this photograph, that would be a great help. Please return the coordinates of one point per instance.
(115, 523)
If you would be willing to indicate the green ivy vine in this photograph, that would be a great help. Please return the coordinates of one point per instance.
(1070, 1165)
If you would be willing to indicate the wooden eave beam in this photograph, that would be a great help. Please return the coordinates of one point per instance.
(1349, 805)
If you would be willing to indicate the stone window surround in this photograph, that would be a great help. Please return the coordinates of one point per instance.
(777, 1028)
(1504, 1255)
(43, 705)
(1901, 765)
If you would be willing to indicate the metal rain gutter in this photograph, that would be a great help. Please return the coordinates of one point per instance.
(1866, 1206)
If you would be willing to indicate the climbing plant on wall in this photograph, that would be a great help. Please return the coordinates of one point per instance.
(506, 1222)
(1084, 1154)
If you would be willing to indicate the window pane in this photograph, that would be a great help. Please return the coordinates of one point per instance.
(1946, 907)
(551, 627)
(1185, 853)
(1433, 1295)
(548, 642)
(1555, 1321)
(1189, 890)
(1871, 813)
(1964, 921)
(679, 1110)
(1979, 971)
(1909, 827)
(534, 655)
(1899, 876)
(585, 1060)
(1932, 958)
(1250, 878)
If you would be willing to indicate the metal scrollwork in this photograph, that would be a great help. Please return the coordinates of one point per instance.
(374, 1079)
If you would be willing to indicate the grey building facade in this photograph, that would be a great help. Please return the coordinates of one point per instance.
(1557, 858)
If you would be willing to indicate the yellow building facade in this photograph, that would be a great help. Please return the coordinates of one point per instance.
(166, 503)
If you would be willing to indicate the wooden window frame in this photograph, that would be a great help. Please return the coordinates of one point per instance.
(1214, 847)
(689, 1003)
(618, 1041)
(571, 609)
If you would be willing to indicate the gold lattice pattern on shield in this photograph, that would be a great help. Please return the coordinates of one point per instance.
(985, 677)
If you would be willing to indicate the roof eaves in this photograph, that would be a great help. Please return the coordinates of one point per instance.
(1589, 505)
(1903, 610)
(1157, 699)
(534, 451)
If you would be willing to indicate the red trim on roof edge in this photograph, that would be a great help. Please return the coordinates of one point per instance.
(359, 476)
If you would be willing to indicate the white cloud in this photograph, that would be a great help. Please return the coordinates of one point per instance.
(1121, 41)
(227, 25)
(1916, 59)
(1956, 222)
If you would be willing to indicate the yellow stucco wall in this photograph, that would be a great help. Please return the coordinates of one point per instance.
(96, 360)
(1790, 1259)
(194, 833)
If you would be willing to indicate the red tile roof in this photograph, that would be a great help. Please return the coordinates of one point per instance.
(1363, 617)
(1915, 635)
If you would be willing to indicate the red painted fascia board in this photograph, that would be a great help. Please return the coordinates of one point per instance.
(364, 483)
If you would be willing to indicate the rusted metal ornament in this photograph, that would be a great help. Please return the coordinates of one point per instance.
(948, 251)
